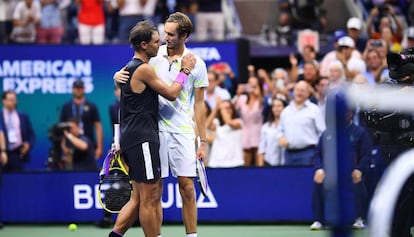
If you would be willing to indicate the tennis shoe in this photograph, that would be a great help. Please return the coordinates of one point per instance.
(359, 224)
(316, 226)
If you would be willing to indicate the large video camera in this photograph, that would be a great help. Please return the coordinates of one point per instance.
(401, 66)
(55, 135)
(393, 128)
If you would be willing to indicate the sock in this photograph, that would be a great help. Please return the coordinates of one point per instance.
(191, 235)
(159, 235)
(114, 234)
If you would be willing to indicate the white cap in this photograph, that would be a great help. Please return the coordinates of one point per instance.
(354, 23)
(346, 41)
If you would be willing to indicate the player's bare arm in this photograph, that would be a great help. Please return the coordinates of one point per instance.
(200, 119)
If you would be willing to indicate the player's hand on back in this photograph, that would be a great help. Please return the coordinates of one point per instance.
(188, 61)
(121, 76)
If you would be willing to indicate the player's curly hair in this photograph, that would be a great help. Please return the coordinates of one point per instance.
(185, 26)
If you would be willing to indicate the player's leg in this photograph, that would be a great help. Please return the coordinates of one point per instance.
(159, 210)
(128, 213)
(183, 165)
(164, 157)
(149, 202)
(189, 210)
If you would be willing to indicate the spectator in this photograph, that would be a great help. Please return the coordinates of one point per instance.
(360, 153)
(321, 91)
(336, 76)
(249, 105)
(354, 27)
(333, 55)
(114, 107)
(376, 71)
(69, 12)
(227, 78)
(78, 150)
(379, 45)
(227, 130)
(306, 14)
(86, 114)
(308, 55)
(301, 124)
(283, 30)
(213, 90)
(91, 22)
(310, 72)
(19, 134)
(209, 21)
(131, 12)
(26, 17)
(386, 17)
(278, 87)
(269, 149)
(50, 29)
(6, 19)
(111, 21)
(387, 35)
(352, 65)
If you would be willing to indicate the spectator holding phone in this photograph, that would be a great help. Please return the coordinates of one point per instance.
(386, 16)
(249, 105)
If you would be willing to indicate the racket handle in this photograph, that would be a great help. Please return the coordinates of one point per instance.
(117, 134)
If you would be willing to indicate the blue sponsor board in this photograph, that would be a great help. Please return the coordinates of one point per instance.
(235, 195)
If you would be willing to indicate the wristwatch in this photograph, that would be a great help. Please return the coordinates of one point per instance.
(185, 70)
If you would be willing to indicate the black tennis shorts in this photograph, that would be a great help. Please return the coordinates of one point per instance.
(143, 161)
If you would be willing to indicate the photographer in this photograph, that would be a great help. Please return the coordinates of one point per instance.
(393, 133)
(78, 150)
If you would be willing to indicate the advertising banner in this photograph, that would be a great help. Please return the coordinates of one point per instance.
(235, 195)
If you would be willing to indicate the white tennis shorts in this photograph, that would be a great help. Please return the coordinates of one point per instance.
(177, 152)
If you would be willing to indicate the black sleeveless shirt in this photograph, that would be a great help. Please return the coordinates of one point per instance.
(138, 112)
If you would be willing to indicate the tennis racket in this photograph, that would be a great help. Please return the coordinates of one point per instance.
(115, 186)
(201, 174)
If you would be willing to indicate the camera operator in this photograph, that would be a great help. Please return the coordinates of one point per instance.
(78, 149)
(393, 133)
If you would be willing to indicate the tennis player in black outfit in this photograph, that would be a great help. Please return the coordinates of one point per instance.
(139, 129)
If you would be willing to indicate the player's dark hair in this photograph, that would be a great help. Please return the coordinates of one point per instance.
(185, 26)
(234, 114)
(141, 32)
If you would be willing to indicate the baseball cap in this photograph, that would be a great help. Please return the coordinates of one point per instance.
(339, 34)
(354, 23)
(410, 32)
(78, 83)
(346, 41)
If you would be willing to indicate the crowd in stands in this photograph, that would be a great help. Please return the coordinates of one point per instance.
(106, 21)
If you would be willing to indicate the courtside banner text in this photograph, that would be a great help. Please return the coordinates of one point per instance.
(235, 195)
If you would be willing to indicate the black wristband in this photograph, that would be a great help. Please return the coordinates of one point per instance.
(185, 70)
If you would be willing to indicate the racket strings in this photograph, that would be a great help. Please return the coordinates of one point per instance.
(118, 190)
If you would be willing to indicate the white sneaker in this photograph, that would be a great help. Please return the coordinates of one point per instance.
(316, 226)
(359, 224)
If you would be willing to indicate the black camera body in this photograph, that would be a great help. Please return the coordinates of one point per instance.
(394, 128)
(391, 128)
(401, 66)
(56, 132)
(55, 135)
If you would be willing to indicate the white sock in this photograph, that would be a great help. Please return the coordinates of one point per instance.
(159, 235)
(192, 235)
